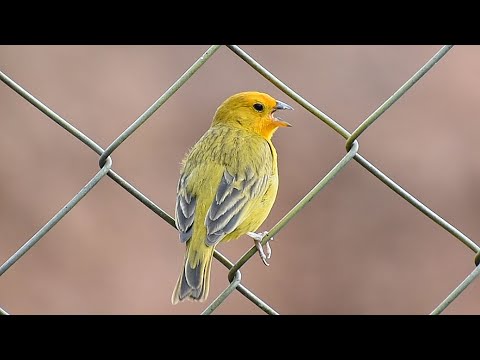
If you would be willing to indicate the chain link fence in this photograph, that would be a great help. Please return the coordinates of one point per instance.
(234, 273)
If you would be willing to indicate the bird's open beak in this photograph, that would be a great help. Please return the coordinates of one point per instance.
(281, 106)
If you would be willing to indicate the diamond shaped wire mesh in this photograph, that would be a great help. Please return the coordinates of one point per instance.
(236, 282)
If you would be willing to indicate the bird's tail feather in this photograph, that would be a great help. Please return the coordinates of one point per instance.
(194, 280)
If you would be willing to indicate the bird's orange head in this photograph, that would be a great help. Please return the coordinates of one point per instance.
(252, 111)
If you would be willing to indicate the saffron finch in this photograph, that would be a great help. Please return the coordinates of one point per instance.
(228, 184)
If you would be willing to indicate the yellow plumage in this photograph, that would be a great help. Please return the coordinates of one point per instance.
(228, 184)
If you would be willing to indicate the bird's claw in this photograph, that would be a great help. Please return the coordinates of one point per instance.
(257, 238)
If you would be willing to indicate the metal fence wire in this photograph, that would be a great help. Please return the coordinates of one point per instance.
(234, 274)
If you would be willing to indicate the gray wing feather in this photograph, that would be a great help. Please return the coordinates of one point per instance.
(184, 210)
(226, 210)
(229, 202)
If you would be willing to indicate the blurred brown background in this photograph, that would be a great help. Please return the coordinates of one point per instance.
(357, 248)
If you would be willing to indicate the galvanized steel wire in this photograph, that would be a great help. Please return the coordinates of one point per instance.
(234, 274)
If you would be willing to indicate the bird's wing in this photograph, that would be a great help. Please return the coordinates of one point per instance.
(233, 193)
(184, 210)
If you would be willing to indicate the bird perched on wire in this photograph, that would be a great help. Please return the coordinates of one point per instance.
(228, 184)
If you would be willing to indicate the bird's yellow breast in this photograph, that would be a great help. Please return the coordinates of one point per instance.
(235, 150)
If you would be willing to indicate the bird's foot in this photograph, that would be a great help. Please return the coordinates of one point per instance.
(257, 238)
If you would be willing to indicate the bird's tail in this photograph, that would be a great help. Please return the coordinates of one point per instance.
(194, 280)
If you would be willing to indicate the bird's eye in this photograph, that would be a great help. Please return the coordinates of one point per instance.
(258, 107)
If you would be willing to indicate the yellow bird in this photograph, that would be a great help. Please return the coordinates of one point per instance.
(228, 184)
